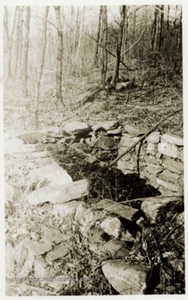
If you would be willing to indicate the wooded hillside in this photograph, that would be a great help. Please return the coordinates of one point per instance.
(48, 49)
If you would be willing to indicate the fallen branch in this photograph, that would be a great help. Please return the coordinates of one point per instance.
(128, 68)
(142, 138)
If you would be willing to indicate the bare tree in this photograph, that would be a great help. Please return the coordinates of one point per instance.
(41, 67)
(118, 46)
(97, 49)
(81, 30)
(9, 41)
(168, 15)
(18, 50)
(104, 44)
(26, 50)
(161, 29)
(71, 40)
(155, 31)
(134, 25)
(126, 31)
(59, 64)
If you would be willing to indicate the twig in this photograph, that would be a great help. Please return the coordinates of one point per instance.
(142, 138)
(129, 48)
(165, 13)
(135, 41)
(91, 37)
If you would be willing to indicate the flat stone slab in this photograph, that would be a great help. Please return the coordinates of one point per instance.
(74, 127)
(106, 125)
(58, 252)
(113, 247)
(168, 185)
(32, 137)
(151, 148)
(115, 131)
(123, 211)
(153, 137)
(134, 130)
(170, 176)
(86, 216)
(66, 210)
(55, 179)
(74, 190)
(173, 139)
(38, 248)
(168, 149)
(46, 170)
(52, 236)
(68, 192)
(126, 141)
(154, 169)
(174, 166)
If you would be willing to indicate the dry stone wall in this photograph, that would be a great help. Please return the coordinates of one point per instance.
(159, 159)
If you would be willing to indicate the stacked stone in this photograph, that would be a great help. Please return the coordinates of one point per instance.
(160, 159)
(128, 163)
(171, 178)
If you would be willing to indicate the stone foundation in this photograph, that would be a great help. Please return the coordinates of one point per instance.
(159, 159)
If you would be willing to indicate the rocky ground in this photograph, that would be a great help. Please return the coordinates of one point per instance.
(73, 226)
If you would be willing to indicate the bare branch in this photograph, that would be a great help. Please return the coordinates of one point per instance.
(136, 41)
(143, 137)
(47, 21)
(109, 52)
(165, 13)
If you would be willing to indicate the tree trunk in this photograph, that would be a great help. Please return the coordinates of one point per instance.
(168, 14)
(118, 46)
(9, 37)
(104, 44)
(161, 29)
(81, 29)
(41, 67)
(71, 41)
(134, 29)
(21, 38)
(154, 41)
(76, 33)
(18, 30)
(59, 64)
(180, 35)
(26, 51)
(97, 49)
(126, 30)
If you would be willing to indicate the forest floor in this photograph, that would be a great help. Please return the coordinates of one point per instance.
(142, 105)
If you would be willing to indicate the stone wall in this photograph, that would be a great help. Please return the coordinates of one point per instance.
(159, 159)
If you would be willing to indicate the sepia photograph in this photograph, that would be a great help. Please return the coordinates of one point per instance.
(93, 135)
